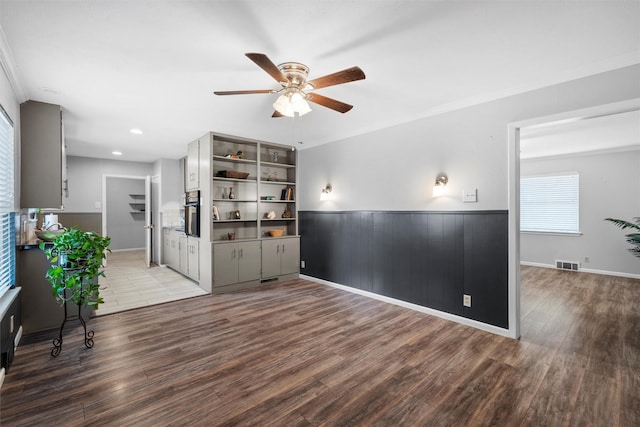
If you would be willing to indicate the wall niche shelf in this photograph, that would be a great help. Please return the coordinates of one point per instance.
(138, 205)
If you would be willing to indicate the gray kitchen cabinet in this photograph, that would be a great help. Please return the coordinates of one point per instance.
(174, 249)
(236, 262)
(166, 245)
(192, 178)
(280, 256)
(183, 255)
(193, 261)
(10, 323)
(43, 157)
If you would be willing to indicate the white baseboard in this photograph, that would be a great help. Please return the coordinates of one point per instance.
(128, 250)
(437, 313)
(585, 270)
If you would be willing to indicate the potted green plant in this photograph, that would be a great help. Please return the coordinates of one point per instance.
(76, 258)
(632, 238)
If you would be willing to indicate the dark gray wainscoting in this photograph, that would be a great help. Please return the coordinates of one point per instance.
(85, 221)
(426, 258)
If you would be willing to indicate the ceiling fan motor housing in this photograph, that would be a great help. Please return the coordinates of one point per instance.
(297, 74)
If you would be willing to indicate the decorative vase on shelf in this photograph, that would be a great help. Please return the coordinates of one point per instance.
(232, 195)
(224, 193)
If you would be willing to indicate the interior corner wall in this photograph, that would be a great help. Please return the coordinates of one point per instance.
(609, 187)
(394, 169)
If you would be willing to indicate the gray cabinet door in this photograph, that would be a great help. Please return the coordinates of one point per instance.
(271, 258)
(249, 261)
(174, 250)
(166, 246)
(289, 256)
(193, 166)
(41, 155)
(193, 246)
(183, 255)
(225, 264)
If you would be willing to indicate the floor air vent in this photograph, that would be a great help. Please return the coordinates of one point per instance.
(567, 265)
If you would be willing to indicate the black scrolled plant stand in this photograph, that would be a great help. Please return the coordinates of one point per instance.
(88, 336)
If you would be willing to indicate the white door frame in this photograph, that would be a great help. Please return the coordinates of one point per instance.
(104, 196)
(513, 141)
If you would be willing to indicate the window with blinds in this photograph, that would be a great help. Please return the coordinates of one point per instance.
(550, 203)
(7, 217)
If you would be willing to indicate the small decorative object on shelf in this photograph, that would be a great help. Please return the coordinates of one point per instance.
(224, 193)
(215, 213)
(275, 157)
(232, 174)
(271, 215)
(271, 176)
(235, 214)
(286, 213)
(232, 195)
(231, 236)
(276, 232)
(286, 194)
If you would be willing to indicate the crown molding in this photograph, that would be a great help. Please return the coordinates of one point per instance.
(8, 67)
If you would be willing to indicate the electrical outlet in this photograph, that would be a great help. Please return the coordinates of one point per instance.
(302, 264)
(466, 300)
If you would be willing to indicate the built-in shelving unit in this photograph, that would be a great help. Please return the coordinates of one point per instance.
(264, 200)
(261, 178)
(278, 178)
(137, 204)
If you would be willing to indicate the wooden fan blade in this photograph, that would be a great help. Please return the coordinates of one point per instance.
(277, 114)
(339, 106)
(344, 76)
(242, 92)
(265, 63)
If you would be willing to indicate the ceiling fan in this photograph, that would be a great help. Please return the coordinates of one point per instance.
(296, 90)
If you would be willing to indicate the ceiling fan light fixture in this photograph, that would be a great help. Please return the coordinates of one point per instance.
(291, 104)
(283, 106)
(299, 104)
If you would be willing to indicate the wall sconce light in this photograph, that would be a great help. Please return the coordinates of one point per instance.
(325, 192)
(438, 186)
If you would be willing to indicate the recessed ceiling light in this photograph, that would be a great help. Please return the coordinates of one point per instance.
(117, 153)
(136, 131)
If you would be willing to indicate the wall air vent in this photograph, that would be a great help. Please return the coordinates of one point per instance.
(567, 265)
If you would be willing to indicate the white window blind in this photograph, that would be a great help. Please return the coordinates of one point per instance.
(550, 203)
(7, 217)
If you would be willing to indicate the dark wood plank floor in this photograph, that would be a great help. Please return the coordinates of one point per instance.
(299, 353)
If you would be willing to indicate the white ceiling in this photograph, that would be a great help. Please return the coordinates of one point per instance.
(116, 65)
(616, 132)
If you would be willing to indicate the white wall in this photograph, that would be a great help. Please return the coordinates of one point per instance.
(11, 105)
(394, 169)
(85, 180)
(609, 187)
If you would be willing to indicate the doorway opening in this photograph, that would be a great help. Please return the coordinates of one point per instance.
(515, 131)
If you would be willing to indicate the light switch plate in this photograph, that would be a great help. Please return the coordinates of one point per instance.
(470, 196)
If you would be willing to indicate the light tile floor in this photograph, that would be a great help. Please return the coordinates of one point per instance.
(130, 284)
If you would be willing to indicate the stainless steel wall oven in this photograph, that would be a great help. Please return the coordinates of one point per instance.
(192, 213)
